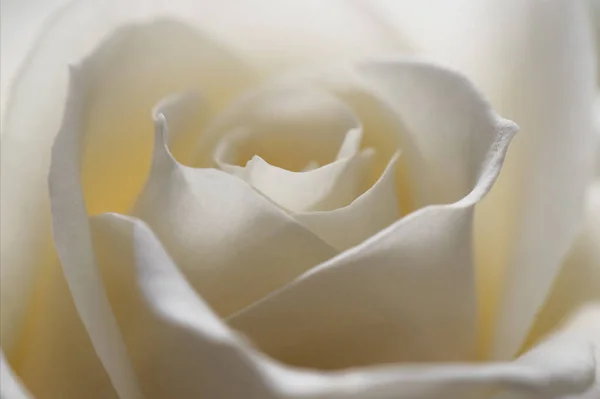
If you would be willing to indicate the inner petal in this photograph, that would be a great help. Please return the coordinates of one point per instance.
(287, 126)
(282, 135)
(325, 188)
(221, 232)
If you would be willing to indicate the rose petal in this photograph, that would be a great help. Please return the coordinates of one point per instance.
(597, 129)
(184, 350)
(534, 61)
(285, 124)
(54, 356)
(290, 127)
(554, 111)
(20, 24)
(10, 386)
(72, 240)
(451, 151)
(125, 85)
(368, 214)
(333, 187)
(407, 293)
(306, 32)
(351, 144)
(327, 188)
(579, 279)
(582, 328)
(221, 232)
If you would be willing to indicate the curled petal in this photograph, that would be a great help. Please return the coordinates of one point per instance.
(277, 132)
(534, 61)
(73, 243)
(326, 188)
(82, 182)
(407, 293)
(371, 212)
(175, 336)
(201, 214)
(123, 86)
(316, 124)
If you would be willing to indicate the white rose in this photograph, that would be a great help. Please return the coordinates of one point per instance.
(339, 250)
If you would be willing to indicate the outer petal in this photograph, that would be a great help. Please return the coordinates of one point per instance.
(117, 122)
(579, 280)
(73, 242)
(405, 294)
(594, 12)
(534, 61)
(20, 23)
(584, 326)
(184, 350)
(104, 189)
(10, 386)
(597, 128)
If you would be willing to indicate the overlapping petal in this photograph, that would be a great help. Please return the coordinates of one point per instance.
(221, 232)
(162, 330)
(181, 329)
(407, 293)
(268, 138)
(173, 335)
(534, 61)
(578, 282)
(117, 122)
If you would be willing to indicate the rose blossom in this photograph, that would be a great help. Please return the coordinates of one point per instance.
(233, 201)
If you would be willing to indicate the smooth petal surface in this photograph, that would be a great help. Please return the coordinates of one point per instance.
(179, 348)
(10, 386)
(534, 61)
(280, 131)
(201, 214)
(326, 188)
(288, 33)
(117, 125)
(103, 190)
(61, 361)
(292, 127)
(594, 13)
(407, 293)
(583, 326)
(20, 23)
(174, 336)
(73, 243)
(578, 282)
(368, 214)
(597, 128)
(557, 119)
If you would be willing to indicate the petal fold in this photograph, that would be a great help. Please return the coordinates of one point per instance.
(179, 338)
(350, 225)
(407, 293)
(201, 214)
(534, 61)
(73, 243)
(125, 85)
